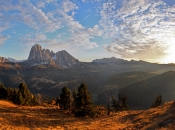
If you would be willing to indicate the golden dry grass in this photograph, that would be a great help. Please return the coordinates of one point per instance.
(13, 117)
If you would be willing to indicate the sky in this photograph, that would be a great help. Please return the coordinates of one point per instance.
(90, 29)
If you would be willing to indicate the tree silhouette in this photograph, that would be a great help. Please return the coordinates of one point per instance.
(65, 99)
(3, 92)
(83, 102)
(158, 101)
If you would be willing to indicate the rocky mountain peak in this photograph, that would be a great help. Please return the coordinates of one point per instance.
(36, 47)
(45, 56)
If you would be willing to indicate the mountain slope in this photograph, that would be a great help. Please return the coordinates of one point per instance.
(143, 94)
(128, 78)
(51, 118)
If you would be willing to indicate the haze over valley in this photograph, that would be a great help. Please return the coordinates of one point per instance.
(46, 73)
(87, 64)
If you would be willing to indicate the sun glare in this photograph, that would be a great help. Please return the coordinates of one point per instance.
(170, 57)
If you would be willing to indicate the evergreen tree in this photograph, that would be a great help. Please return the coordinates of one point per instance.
(27, 98)
(74, 95)
(21, 96)
(158, 101)
(120, 104)
(19, 99)
(65, 99)
(115, 103)
(83, 102)
(124, 105)
(3, 92)
(10, 93)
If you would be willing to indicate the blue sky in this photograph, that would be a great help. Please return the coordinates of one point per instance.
(90, 29)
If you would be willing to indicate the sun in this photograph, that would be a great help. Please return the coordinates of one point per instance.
(170, 57)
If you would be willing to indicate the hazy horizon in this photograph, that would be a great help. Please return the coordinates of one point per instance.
(90, 29)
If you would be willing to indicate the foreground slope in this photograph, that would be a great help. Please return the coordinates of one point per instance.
(43, 118)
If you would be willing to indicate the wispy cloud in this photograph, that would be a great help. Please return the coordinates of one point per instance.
(34, 16)
(140, 28)
(3, 38)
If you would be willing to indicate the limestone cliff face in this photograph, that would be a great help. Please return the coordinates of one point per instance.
(45, 56)
(63, 58)
(37, 55)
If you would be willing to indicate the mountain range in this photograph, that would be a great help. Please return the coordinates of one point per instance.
(46, 72)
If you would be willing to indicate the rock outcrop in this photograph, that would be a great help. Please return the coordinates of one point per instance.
(45, 56)
(2, 59)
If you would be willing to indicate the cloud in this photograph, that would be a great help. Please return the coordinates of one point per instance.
(30, 40)
(34, 15)
(68, 6)
(141, 29)
(4, 26)
(3, 39)
(40, 4)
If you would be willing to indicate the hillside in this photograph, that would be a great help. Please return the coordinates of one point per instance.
(143, 94)
(46, 72)
(51, 118)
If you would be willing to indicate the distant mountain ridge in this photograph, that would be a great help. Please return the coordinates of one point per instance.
(39, 56)
(9, 59)
(111, 60)
(3, 59)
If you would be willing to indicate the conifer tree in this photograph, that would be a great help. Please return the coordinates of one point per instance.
(115, 103)
(83, 102)
(19, 99)
(3, 92)
(158, 101)
(65, 99)
(74, 95)
(26, 94)
(120, 104)
(10, 93)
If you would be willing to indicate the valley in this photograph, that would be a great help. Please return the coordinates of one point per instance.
(139, 81)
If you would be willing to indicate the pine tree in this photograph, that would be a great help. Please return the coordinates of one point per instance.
(10, 93)
(115, 103)
(26, 94)
(83, 102)
(120, 104)
(158, 101)
(27, 97)
(19, 99)
(65, 99)
(3, 92)
(74, 95)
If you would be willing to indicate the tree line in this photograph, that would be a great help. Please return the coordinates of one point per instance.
(19, 96)
(80, 103)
